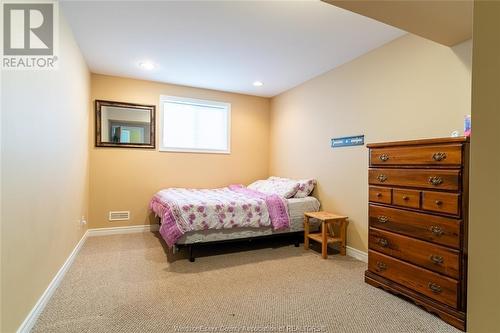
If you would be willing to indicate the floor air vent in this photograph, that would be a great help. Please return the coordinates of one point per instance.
(119, 216)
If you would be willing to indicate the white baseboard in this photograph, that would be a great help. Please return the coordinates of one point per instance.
(30, 320)
(355, 253)
(122, 230)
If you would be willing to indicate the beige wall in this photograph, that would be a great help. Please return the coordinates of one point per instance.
(407, 89)
(126, 179)
(484, 227)
(445, 22)
(45, 117)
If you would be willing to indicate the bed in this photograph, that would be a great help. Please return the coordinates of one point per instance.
(191, 217)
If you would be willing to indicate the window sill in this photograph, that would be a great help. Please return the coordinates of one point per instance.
(195, 151)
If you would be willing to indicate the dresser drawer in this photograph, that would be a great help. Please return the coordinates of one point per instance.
(380, 194)
(436, 258)
(448, 203)
(438, 287)
(433, 178)
(436, 229)
(406, 198)
(448, 155)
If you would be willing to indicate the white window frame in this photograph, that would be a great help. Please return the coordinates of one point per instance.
(201, 102)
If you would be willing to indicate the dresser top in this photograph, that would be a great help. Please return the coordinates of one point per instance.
(460, 139)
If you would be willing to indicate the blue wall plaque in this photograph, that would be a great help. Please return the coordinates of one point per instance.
(358, 140)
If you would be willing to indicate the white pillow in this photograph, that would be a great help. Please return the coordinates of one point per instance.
(306, 186)
(285, 188)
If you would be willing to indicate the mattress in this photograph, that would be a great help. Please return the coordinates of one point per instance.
(296, 208)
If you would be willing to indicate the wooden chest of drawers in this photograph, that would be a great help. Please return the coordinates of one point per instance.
(418, 200)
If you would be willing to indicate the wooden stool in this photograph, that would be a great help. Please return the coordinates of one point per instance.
(323, 237)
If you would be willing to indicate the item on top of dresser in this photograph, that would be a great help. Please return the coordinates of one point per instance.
(306, 186)
(324, 237)
(467, 125)
(417, 238)
(284, 188)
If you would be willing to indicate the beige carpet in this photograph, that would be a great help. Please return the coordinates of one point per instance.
(124, 283)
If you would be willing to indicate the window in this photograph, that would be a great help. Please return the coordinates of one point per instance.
(192, 125)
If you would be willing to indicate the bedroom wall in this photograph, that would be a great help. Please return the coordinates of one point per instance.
(44, 142)
(407, 89)
(126, 179)
(484, 227)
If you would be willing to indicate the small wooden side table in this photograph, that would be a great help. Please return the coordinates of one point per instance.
(323, 237)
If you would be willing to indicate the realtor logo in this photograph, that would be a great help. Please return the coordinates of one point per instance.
(29, 32)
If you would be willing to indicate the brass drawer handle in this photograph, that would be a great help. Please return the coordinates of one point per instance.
(382, 178)
(379, 194)
(439, 156)
(438, 202)
(436, 230)
(384, 157)
(383, 242)
(437, 259)
(383, 219)
(435, 288)
(406, 198)
(381, 266)
(435, 180)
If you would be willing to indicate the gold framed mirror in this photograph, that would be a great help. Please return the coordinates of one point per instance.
(124, 125)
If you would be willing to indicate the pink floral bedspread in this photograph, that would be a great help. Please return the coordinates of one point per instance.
(183, 210)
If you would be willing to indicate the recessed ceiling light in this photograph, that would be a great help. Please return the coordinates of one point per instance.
(258, 84)
(147, 65)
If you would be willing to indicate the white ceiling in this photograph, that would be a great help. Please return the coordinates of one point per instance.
(222, 45)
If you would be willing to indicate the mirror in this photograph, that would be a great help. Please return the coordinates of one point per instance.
(124, 125)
